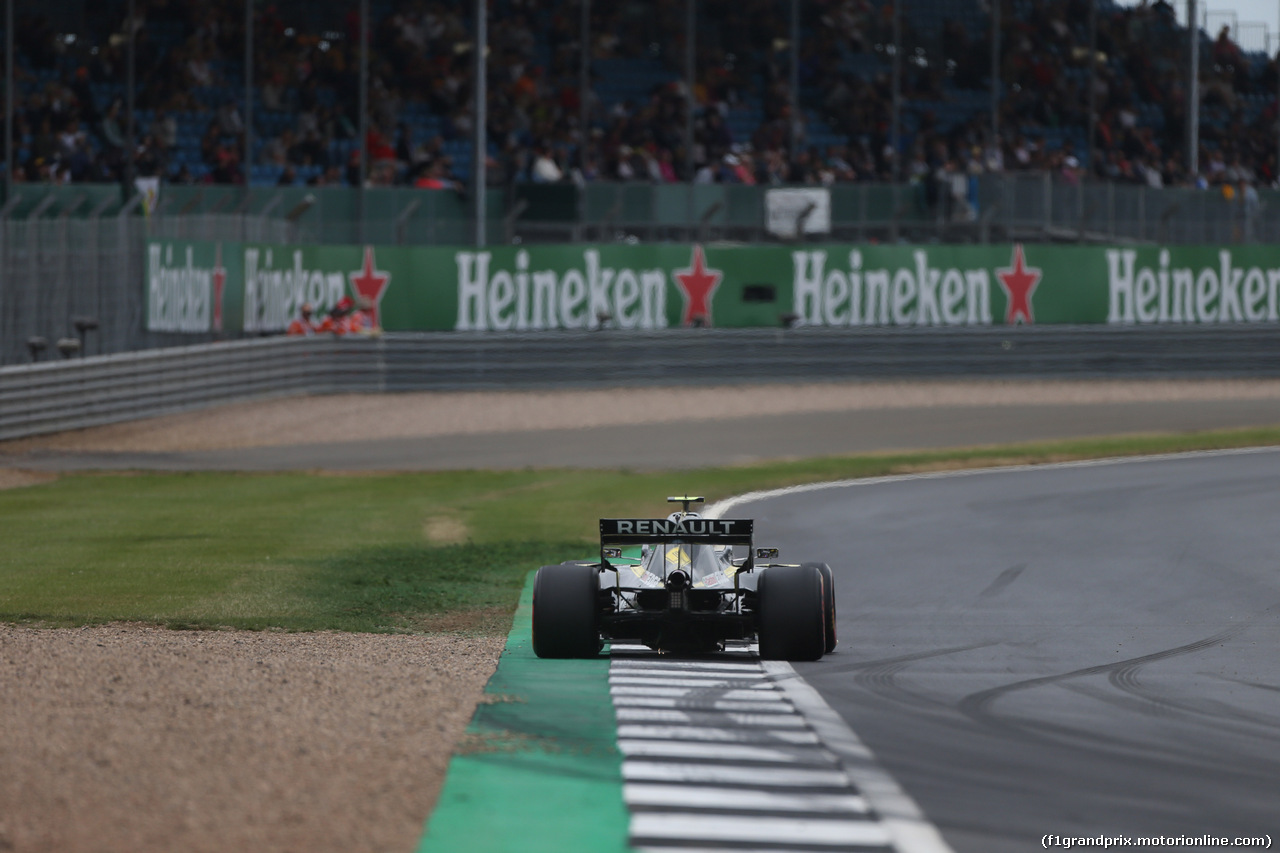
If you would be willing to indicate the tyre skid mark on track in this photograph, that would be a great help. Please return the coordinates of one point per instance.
(1221, 717)
(883, 682)
(1243, 722)
(879, 677)
(1158, 755)
(1120, 699)
(1273, 687)
(1197, 760)
(1003, 580)
(978, 705)
(1126, 680)
(911, 658)
(1123, 678)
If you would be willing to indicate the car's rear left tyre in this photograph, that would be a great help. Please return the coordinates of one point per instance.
(828, 605)
(791, 618)
(566, 614)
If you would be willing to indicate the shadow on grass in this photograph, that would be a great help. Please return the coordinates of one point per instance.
(466, 587)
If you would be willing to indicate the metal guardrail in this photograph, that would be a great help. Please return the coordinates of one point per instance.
(55, 396)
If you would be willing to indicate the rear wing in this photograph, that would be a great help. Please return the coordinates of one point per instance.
(697, 531)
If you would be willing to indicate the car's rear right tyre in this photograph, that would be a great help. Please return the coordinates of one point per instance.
(828, 605)
(790, 612)
(566, 614)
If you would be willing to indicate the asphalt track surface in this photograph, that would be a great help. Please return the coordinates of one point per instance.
(771, 435)
(1082, 650)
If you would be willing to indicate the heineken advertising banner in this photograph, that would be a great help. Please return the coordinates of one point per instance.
(249, 287)
(187, 286)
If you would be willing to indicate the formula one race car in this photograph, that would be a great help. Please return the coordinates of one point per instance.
(676, 584)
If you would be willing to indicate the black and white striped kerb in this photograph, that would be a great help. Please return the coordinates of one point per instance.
(717, 756)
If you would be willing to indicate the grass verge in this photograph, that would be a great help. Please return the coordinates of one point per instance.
(381, 552)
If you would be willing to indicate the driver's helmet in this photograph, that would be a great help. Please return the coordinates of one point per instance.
(676, 516)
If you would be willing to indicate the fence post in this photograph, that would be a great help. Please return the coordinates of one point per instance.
(1046, 187)
(508, 219)
(1204, 219)
(1009, 191)
(893, 222)
(862, 211)
(1111, 209)
(95, 253)
(1142, 212)
(432, 237)
(125, 258)
(984, 224)
(292, 228)
(263, 235)
(402, 221)
(7, 274)
(65, 249)
(31, 291)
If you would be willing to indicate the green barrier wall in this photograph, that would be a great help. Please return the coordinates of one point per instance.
(259, 288)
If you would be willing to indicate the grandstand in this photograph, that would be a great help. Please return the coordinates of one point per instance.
(71, 122)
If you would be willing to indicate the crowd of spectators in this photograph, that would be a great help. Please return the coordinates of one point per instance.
(71, 122)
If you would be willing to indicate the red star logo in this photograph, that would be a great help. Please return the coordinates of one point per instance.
(1019, 282)
(219, 284)
(370, 283)
(698, 284)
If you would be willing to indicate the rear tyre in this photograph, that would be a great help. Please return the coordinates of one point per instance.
(566, 615)
(828, 605)
(790, 613)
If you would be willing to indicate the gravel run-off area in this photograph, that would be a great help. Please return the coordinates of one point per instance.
(370, 417)
(132, 738)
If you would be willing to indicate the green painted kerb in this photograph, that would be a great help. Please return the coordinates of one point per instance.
(539, 769)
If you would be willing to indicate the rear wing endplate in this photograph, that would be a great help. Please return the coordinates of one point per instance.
(698, 531)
